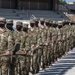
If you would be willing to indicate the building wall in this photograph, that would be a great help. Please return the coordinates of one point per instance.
(29, 4)
(7, 4)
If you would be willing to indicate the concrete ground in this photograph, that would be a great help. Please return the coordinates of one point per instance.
(64, 66)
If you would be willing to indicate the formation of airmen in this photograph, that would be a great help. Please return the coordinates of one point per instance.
(31, 49)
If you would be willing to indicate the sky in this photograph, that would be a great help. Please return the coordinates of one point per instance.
(70, 1)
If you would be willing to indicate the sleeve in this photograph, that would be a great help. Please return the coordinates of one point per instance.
(39, 40)
(10, 43)
(2, 42)
(22, 45)
(48, 36)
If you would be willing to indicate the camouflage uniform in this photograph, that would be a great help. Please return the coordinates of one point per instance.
(10, 31)
(18, 36)
(54, 38)
(73, 35)
(48, 41)
(36, 30)
(26, 49)
(41, 42)
(66, 36)
(60, 40)
(6, 46)
(33, 43)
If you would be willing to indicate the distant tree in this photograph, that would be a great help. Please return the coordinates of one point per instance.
(62, 2)
(74, 2)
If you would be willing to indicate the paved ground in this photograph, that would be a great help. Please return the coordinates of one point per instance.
(64, 66)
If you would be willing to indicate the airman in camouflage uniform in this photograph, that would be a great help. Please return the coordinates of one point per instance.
(33, 45)
(67, 33)
(48, 40)
(36, 30)
(6, 47)
(26, 49)
(41, 42)
(64, 36)
(54, 38)
(60, 40)
(9, 29)
(18, 36)
(73, 34)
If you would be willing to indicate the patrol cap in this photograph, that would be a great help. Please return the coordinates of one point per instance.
(9, 21)
(19, 23)
(36, 19)
(25, 25)
(60, 25)
(32, 21)
(42, 19)
(63, 20)
(54, 22)
(51, 22)
(47, 21)
(2, 19)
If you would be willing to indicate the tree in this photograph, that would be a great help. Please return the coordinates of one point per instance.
(62, 2)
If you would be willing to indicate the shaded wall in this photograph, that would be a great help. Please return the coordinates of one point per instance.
(29, 4)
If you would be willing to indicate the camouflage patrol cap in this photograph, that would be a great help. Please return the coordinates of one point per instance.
(36, 19)
(9, 21)
(25, 25)
(19, 23)
(47, 21)
(51, 22)
(32, 21)
(2, 19)
(60, 25)
(54, 22)
(42, 19)
(63, 20)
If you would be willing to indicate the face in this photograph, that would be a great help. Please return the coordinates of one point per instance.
(42, 22)
(25, 29)
(18, 27)
(9, 26)
(2, 24)
(32, 24)
(47, 24)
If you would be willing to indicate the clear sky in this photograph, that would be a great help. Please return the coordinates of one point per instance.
(70, 1)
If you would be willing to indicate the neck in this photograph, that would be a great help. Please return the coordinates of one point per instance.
(10, 28)
(42, 26)
(1, 29)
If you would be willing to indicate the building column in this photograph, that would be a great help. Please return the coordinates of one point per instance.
(0, 3)
(29, 5)
(18, 4)
(10, 4)
(54, 5)
(38, 5)
(51, 4)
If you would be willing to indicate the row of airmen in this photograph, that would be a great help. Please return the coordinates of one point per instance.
(29, 49)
